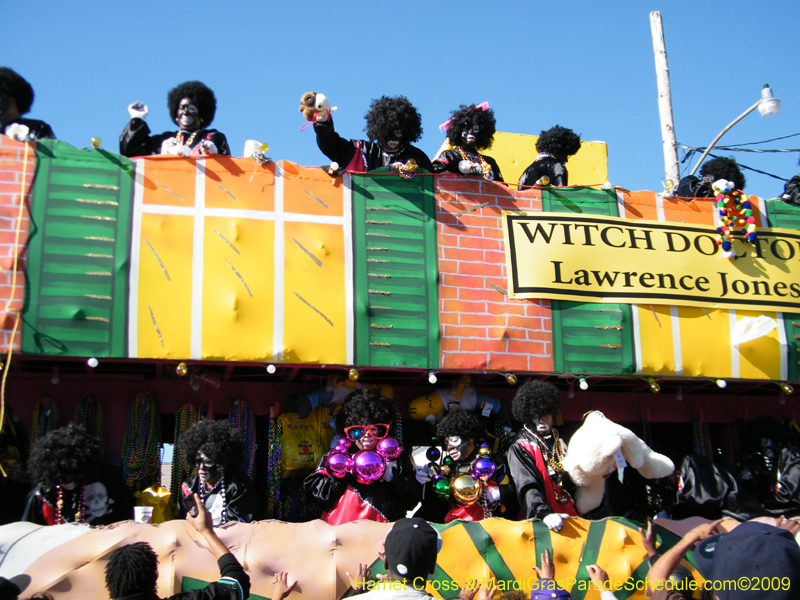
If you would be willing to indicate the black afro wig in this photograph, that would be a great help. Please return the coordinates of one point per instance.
(66, 455)
(559, 141)
(218, 440)
(131, 570)
(724, 168)
(387, 115)
(752, 432)
(535, 399)
(13, 85)
(467, 116)
(200, 95)
(368, 407)
(461, 423)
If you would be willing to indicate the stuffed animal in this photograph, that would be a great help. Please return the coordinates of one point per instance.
(600, 447)
(434, 406)
(313, 105)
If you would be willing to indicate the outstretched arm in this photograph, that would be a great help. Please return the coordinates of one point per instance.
(666, 565)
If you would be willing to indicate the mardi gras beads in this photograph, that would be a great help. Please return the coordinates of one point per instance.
(735, 211)
(141, 460)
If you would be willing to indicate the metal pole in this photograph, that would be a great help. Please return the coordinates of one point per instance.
(721, 133)
(668, 141)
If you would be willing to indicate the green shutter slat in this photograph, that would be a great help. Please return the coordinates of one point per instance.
(783, 214)
(589, 337)
(395, 268)
(78, 253)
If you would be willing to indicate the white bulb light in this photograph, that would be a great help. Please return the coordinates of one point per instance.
(432, 377)
(92, 362)
(271, 369)
(584, 384)
(722, 383)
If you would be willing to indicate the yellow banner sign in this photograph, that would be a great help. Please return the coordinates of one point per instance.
(606, 259)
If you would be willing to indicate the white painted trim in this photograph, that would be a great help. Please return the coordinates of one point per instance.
(133, 273)
(278, 268)
(349, 284)
(196, 343)
(621, 204)
(784, 347)
(660, 208)
(637, 340)
(677, 351)
(734, 349)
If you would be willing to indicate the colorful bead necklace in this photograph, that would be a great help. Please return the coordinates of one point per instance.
(46, 418)
(80, 513)
(242, 418)
(274, 465)
(141, 459)
(553, 459)
(89, 413)
(185, 418)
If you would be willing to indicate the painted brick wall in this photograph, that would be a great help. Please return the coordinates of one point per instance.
(17, 166)
(480, 327)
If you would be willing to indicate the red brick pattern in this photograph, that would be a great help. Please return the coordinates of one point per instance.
(17, 166)
(480, 327)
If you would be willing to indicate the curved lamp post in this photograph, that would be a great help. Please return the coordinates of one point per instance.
(768, 106)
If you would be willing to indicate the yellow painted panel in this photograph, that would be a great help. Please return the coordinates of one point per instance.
(169, 181)
(705, 342)
(463, 565)
(311, 191)
(655, 338)
(761, 358)
(314, 294)
(514, 152)
(238, 289)
(568, 547)
(518, 550)
(165, 288)
(619, 551)
(239, 184)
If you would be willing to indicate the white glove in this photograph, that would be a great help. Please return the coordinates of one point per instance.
(208, 147)
(19, 132)
(388, 473)
(138, 110)
(423, 474)
(492, 494)
(554, 522)
(466, 166)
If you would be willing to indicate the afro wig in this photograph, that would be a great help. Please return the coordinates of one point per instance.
(559, 141)
(199, 94)
(368, 407)
(66, 455)
(752, 432)
(13, 85)
(462, 423)
(536, 399)
(218, 440)
(387, 115)
(131, 570)
(467, 116)
(724, 168)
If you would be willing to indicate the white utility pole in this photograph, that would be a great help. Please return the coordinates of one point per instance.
(665, 103)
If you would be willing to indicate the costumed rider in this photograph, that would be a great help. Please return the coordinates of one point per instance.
(366, 475)
(791, 191)
(216, 450)
(470, 129)
(392, 125)
(16, 98)
(192, 106)
(555, 146)
(73, 485)
(469, 484)
(535, 458)
(711, 171)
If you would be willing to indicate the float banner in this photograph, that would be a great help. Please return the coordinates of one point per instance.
(607, 259)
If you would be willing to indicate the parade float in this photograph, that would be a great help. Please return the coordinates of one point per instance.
(232, 285)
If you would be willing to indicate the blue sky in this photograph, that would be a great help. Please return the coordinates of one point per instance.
(584, 65)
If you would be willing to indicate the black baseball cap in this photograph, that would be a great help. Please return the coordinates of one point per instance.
(751, 551)
(411, 548)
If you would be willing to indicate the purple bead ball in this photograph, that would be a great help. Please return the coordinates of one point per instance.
(483, 467)
(368, 466)
(389, 448)
(337, 464)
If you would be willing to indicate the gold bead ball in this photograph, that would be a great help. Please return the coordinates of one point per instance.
(444, 470)
(96, 142)
(484, 451)
(181, 369)
(263, 146)
(511, 379)
(544, 180)
(465, 490)
(352, 375)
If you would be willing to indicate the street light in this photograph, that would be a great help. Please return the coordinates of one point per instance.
(768, 106)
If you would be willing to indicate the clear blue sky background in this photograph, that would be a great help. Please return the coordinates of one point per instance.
(585, 65)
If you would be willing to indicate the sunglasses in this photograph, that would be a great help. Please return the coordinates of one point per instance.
(356, 432)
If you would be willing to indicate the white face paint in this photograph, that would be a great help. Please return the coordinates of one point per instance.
(458, 448)
(543, 424)
(207, 470)
(188, 115)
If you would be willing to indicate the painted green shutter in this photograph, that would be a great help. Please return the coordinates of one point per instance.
(78, 253)
(783, 214)
(792, 324)
(589, 337)
(395, 271)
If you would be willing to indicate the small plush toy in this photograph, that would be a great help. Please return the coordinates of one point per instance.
(434, 406)
(315, 107)
(600, 447)
(734, 211)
